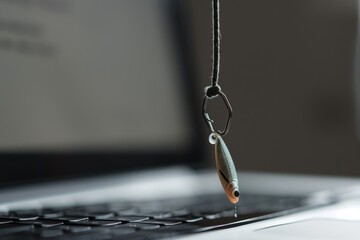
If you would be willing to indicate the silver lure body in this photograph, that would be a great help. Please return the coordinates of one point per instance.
(226, 168)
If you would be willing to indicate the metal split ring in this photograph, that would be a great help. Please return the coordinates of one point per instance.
(207, 118)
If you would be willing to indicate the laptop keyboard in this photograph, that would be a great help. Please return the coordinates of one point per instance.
(146, 219)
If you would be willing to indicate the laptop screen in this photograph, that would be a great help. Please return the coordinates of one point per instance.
(91, 76)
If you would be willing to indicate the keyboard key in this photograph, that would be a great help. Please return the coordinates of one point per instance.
(67, 219)
(42, 223)
(162, 222)
(96, 223)
(91, 215)
(156, 214)
(141, 226)
(5, 221)
(185, 218)
(100, 215)
(23, 215)
(129, 218)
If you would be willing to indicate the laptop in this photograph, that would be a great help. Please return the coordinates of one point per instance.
(102, 136)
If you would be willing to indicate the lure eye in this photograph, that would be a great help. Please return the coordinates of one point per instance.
(213, 138)
(236, 194)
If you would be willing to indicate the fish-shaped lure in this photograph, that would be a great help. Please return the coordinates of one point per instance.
(225, 168)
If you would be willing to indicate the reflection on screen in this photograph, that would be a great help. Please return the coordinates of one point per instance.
(88, 74)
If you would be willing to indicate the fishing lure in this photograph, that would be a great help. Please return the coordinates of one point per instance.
(225, 168)
(224, 163)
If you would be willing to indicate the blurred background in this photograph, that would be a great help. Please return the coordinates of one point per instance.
(287, 68)
(108, 77)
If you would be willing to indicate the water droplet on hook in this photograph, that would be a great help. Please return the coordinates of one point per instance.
(235, 211)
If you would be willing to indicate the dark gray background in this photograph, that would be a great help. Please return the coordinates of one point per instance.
(287, 68)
